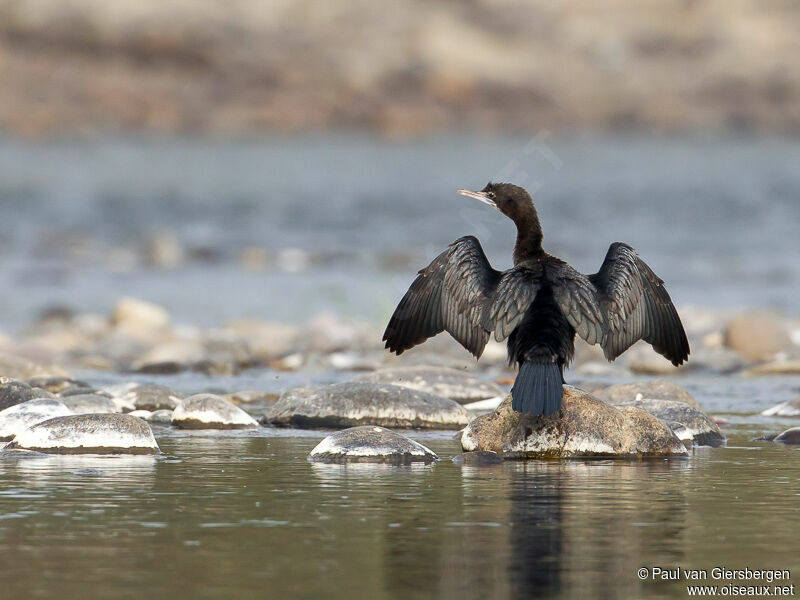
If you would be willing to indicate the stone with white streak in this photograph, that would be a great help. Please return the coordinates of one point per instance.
(790, 408)
(209, 411)
(371, 444)
(88, 434)
(461, 386)
(19, 417)
(585, 427)
(358, 403)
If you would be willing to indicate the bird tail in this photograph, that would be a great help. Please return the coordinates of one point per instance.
(538, 388)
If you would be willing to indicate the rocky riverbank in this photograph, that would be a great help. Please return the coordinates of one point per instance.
(404, 69)
(433, 387)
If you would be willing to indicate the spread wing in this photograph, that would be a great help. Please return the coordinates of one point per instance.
(460, 292)
(637, 306)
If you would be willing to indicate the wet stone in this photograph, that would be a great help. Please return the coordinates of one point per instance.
(461, 386)
(82, 404)
(585, 427)
(252, 397)
(658, 389)
(145, 396)
(359, 403)
(208, 411)
(478, 458)
(19, 417)
(694, 424)
(88, 434)
(57, 384)
(160, 417)
(371, 444)
(784, 409)
(790, 436)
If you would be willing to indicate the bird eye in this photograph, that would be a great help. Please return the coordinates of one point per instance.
(490, 195)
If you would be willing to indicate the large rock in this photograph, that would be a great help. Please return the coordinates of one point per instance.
(84, 404)
(14, 392)
(688, 422)
(88, 434)
(208, 411)
(657, 389)
(757, 335)
(585, 427)
(19, 417)
(359, 403)
(145, 396)
(371, 444)
(784, 409)
(463, 387)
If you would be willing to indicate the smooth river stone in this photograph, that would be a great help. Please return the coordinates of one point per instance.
(688, 422)
(208, 411)
(19, 417)
(371, 444)
(658, 389)
(88, 434)
(84, 404)
(790, 436)
(461, 386)
(145, 396)
(784, 409)
(57, 384)
(585, 427)
(359, 403)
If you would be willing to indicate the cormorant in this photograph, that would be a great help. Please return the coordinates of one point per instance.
(539, 305)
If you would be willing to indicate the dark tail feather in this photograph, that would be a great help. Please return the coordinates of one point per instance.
(537, 389)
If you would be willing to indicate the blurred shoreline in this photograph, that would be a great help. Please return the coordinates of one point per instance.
(404, 69)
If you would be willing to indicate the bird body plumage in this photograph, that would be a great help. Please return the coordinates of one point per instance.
(538, 305)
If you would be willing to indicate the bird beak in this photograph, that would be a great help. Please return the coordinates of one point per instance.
(478, 196)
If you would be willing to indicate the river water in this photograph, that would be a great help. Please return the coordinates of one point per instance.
(233, 515)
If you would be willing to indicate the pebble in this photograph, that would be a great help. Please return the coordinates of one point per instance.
(13, 391)
(208, 411)
(19, 417)
(57, 384)
(360, 403)
(790, 436)
(659, 389)
(88, 434)
(585, 427)
(371, 444)
(463, 387)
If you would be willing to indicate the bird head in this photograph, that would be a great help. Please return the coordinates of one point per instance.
(511, 200)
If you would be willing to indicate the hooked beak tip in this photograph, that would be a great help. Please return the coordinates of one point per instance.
(478, 196)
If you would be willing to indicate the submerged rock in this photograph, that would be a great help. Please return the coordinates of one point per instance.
(457, 385)
(208, 411)
(790, 408)
(145, 396)
(13, 392)
(371, 444)
(360, 403)
(585, 427)
(790, 436)
(19, 417)
(658, 389)
(83, 404)
(688, 422)
(88, 434)
(478, 458)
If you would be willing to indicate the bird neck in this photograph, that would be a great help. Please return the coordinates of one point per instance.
(529, 238)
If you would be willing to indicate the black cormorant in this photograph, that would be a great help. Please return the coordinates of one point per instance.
(539, 305)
